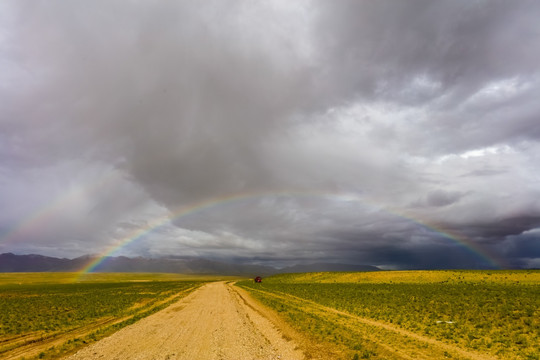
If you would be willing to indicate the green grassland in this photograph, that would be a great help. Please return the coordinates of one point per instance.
(70, 278)
(484, 313)
(62, 311)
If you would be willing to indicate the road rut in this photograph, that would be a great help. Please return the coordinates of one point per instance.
(214, 322)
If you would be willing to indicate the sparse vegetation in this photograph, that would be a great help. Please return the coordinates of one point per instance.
(33, 311)
(495, 313)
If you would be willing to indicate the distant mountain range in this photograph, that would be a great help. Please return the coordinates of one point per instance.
(38, 263)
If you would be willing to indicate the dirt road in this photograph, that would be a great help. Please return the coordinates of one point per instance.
(218, 321)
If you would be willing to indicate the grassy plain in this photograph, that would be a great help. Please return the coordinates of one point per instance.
(45, 315)
(413, 314)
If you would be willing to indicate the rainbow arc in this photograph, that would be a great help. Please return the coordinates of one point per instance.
(202, 206)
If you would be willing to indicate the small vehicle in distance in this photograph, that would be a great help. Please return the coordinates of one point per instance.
(258, 279)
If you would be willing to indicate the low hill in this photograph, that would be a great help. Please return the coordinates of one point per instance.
(38, 263)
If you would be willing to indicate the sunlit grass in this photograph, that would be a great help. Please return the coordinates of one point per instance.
(490, 312)
(70, 277)
(415, 276)
(44, 307)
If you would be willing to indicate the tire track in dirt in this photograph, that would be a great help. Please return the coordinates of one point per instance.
(214, 322)
(32, 344)
(312, 306)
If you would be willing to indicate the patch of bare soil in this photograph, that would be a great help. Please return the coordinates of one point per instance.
(216, 321)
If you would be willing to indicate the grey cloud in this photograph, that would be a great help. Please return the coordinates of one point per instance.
(369, 107)
(449, 51)
(524, 250)
(440, 198)
(458, 43)
(501, 228)
(184, 103)
(484, 172)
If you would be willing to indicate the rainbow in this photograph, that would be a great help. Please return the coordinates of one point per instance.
(491, 258)
(45, 213)
(198, 207)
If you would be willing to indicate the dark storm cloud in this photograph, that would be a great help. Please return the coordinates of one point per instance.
(459, 45)
(447, 56)
(500, 228)
(524, 250)
(430, 256)
(361, 114)
(184, 94)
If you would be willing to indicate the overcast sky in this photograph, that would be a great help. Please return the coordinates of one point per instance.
(403, 134)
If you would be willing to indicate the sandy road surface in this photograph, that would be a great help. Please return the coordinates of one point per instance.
(214, 322)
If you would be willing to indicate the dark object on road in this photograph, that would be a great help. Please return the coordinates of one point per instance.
(258, 279)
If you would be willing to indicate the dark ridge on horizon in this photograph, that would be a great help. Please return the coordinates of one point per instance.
(10, 262)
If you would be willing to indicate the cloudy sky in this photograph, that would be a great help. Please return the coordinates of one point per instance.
(404, 134)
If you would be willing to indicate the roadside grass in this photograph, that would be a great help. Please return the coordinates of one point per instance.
(45, 315)
(70, 277)
(491, 313)
(523, 277)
